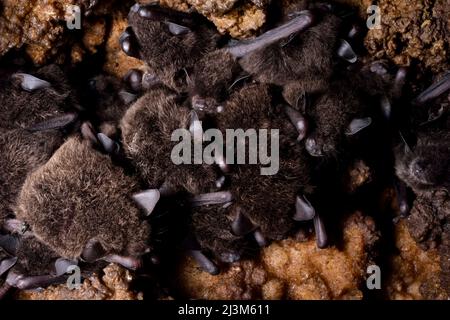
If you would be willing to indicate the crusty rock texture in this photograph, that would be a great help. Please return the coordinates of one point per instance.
(415, 273)
(412, 31)
(113, 284)
(291, 270)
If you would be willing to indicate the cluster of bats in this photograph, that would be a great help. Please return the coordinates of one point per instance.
(79, 183)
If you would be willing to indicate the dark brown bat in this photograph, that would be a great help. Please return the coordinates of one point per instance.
(147, 128)
(109, 100)
(424, 167)
(26, 100)
(170, 42)
(81, 205)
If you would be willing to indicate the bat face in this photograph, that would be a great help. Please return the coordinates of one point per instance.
(92, 199)
(168, 41)
(426, 166)
(147, 128)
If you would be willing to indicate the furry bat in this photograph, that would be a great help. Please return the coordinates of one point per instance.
(81, 205)
(170, 42)
(147, 128)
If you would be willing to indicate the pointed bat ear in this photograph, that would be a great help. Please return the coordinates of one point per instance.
(108, 144)
(127, 97)
(54, 123)
(31, 83)
(93, 251)
(7, 264)
(242, 225)
(346, 52)
(357, 125)
(147, 200)
(176, 29)
(304, 211)
(195, 127)
(62, 265)
(239, 49)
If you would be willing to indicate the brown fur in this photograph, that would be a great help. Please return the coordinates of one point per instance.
(212, 77)
(269, 201)
(22, 152)
(308, 56)
(20, 109)
(80, 195)
(167, 54)
(146, 130)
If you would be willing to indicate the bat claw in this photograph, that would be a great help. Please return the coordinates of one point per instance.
(298, 120)
(204, 262)
(433, 91)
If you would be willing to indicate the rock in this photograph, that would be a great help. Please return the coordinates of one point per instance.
(113, 284)
(291, 270)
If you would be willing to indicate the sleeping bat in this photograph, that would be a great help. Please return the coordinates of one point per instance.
(97, 206)
(424, 167)
(30, 106)
(170, 42)
(146, 134)
(227, 231)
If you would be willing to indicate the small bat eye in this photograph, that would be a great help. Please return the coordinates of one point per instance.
(419, 167)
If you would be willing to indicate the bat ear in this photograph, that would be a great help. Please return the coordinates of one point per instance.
(176, 29)
(58, 122)
(304, 211)
(127, 97)
(346, 52)
(221, 197)
(9, 243)
(147, 200)
(62, 265)
(108, 144)
(7, 264)
(31, 83)
(93, 251)
(357, 125)
(241, 225)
